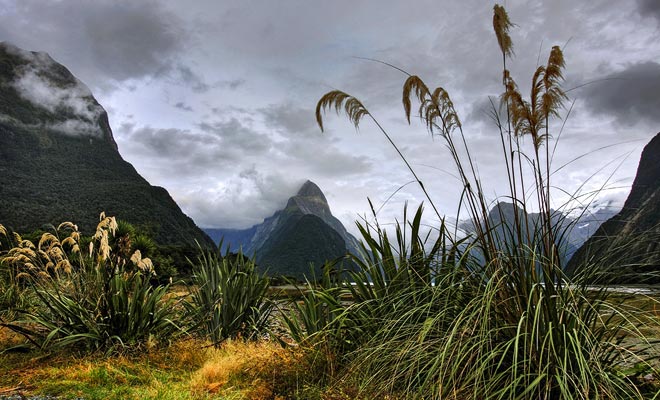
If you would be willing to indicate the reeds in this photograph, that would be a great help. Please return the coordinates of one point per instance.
(494, 316)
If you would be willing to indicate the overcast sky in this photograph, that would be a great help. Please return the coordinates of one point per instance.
(214, 100)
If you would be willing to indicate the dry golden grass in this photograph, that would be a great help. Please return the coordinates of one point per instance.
(9, 338)
(256, 370)
(187, 369)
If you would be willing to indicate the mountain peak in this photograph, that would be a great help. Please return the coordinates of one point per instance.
(310, 200)
(311, 189)
(46, 93)
(59, 161)
(625, 247)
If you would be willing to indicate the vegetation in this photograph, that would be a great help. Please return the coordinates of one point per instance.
(291, 249)
(490, 315)
(84, 175)
(228, 297)
(494, 316)
(185, 370)
(94, 298)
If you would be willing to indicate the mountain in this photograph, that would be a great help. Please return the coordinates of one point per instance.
(574, 228)
(59, 160)
(626, 248)
(304, 232)
(234, 238)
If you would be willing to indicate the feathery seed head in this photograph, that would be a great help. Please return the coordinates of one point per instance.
(49, 239)
(556, 63)
(22, 275)
(502, 24)
(63, 265)
(336, 98)
(413, 84)
(70, 241)
(67, 225)
(136, 257)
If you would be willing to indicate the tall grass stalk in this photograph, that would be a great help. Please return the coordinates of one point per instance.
(497, 317)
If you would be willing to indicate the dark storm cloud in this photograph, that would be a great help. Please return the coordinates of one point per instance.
(118, 39)
(143, 36)
(182, 151)
(234, 134)
(183, 106)
(186, 76)
(483, 110)
(630, 95)
(649, 8)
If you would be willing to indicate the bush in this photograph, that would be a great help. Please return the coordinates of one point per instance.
(227, 297)
(95, 299)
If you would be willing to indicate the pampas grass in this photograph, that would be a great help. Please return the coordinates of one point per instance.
(495, 316)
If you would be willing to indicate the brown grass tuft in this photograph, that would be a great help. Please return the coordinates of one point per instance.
(259, 370)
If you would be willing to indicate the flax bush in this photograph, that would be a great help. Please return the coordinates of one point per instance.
(227, 297)
(92, 297)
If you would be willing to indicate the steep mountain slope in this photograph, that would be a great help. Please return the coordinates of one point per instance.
(626, 248)
(59, 161)
(304, 232)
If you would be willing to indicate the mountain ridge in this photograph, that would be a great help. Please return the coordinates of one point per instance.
(59, 160)
(271, 241)
(626, 248)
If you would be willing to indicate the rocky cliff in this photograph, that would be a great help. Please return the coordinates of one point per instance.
(626, 248)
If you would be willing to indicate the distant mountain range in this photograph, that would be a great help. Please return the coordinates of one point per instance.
(59, 161)
(304, 232)
(573, 229)
(626, 248)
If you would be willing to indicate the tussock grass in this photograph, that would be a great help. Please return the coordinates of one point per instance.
(493, 315)
(186, 369)
(257, 370)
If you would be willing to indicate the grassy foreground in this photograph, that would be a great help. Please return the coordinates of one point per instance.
(187, 369)
(191, 369)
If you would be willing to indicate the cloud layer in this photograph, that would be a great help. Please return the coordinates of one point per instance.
(215, 100)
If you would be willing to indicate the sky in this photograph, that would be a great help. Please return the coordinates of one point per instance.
(214, 100)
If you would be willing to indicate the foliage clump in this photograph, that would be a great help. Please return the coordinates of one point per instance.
(491, 315)
(227, 297)
(91, 293)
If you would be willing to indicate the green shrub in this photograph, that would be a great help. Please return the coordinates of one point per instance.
(96, 299)
(227, 297)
